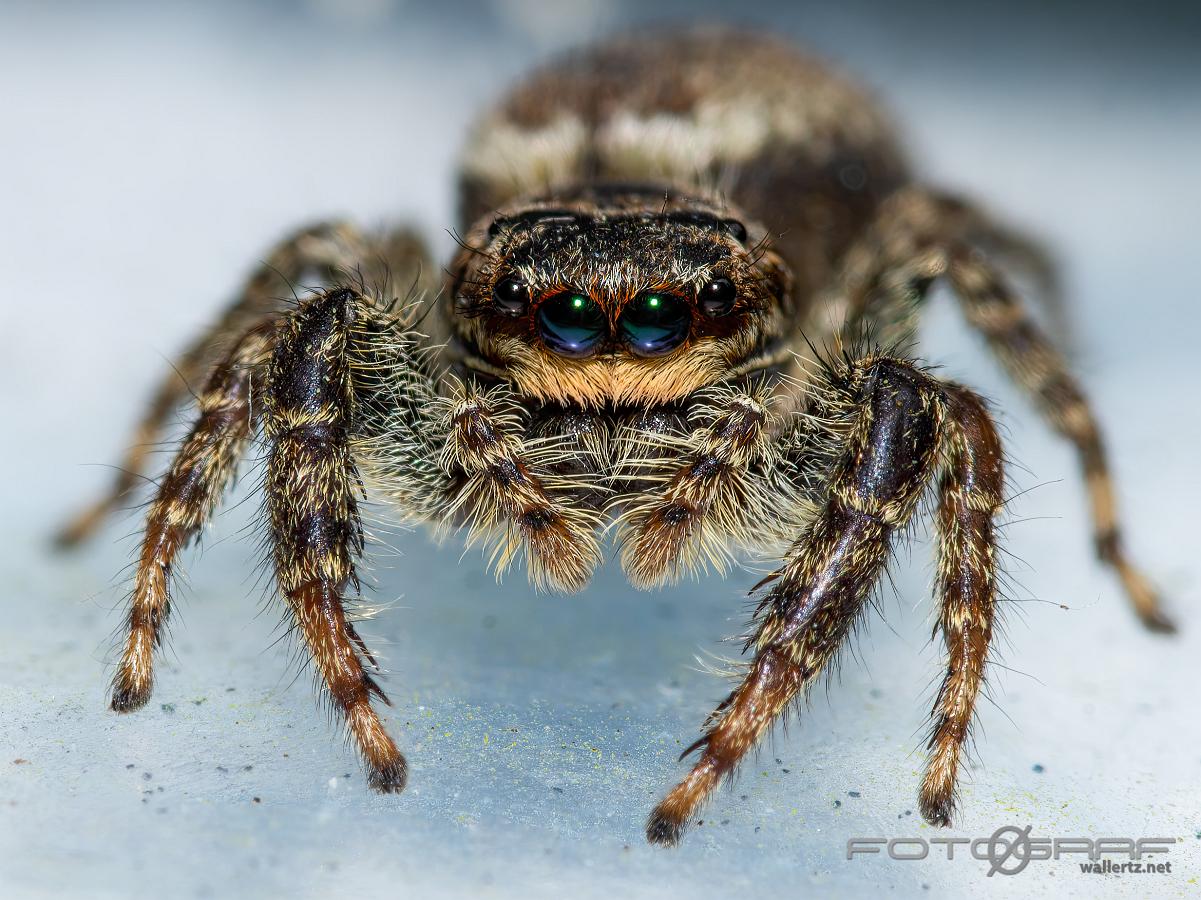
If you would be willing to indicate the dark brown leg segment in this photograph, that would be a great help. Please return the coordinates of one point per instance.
(921, 236)
(907, 425)
(311, 488)
(826, 579)
(312, 254)
(186, 499)
(970, 496)
(1040, 369)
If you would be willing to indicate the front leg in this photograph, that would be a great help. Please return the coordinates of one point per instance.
(349, 386)
(311, 487)
(904, 425)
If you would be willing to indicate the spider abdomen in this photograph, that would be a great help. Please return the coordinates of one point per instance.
(745, 117)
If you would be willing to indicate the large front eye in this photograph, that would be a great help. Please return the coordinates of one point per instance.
(571, 324)
(656, 323)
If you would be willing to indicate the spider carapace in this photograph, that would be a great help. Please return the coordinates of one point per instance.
(690, 266)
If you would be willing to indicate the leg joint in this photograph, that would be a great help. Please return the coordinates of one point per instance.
(899, 434)
(309, 369)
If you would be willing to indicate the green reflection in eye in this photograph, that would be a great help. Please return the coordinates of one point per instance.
(656, 323)
(572, 324)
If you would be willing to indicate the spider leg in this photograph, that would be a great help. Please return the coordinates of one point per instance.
(970, 496)
(313, 253)
(311, 488)
(1039, 369)
(884, 276)
(402, 254)
(186, 498)
(921, 236)
(708, 496)
(905, 427)
(503, 488)
(966, 224)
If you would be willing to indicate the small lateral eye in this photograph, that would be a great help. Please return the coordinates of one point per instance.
(717, 297)
(735, 229)
(510, 296)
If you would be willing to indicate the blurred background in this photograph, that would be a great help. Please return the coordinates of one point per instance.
(150, 153)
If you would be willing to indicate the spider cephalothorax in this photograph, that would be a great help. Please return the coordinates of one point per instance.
(609, 295)
(662, 230)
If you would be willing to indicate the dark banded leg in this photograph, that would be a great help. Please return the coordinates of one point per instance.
(503, 491)
(187, 496)
(920, 236)
(707, 498)
(970, 497)
(965, 224)
(311, 489)
(906, 424)
(313, 253)
(884, 276)
(1041, 371)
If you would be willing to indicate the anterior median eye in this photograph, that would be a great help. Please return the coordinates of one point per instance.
(655, 323)
(572, 324)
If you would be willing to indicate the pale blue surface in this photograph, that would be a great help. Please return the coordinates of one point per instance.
(150, 158)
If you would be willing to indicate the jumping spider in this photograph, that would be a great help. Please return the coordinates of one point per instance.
(663, 233)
